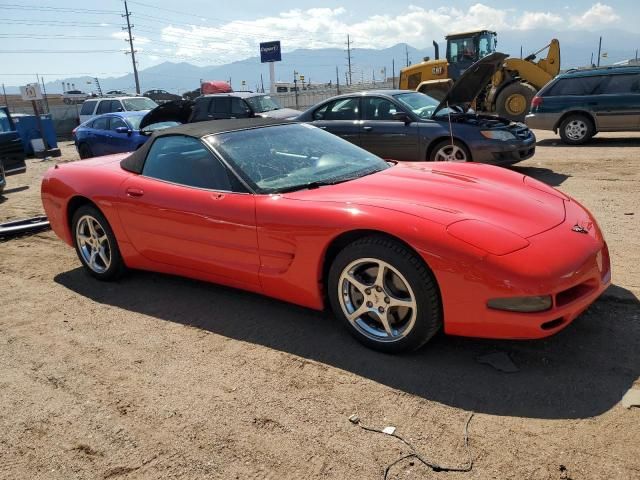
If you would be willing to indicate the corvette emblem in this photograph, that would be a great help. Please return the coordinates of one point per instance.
(579, 229)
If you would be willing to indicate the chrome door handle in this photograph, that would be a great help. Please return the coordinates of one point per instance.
(367, 129)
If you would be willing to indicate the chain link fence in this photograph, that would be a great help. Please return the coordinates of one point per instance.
(306, 98)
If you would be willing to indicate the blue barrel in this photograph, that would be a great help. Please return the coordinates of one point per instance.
(27, 127)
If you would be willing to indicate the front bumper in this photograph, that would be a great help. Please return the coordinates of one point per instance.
(572, 267)
(542, 121)
(504, 153)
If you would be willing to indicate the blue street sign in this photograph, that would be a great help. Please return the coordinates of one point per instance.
(270, 52)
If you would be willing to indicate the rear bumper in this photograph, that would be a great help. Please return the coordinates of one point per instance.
(573, 268)
(541, 121)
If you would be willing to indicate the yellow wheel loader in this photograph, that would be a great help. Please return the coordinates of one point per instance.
(512, 86)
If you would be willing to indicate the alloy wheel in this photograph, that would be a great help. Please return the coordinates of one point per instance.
(450, 153)
(377, 300)
(93, 244)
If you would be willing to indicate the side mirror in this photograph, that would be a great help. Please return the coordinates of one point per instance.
(402, 117)
(126, 130)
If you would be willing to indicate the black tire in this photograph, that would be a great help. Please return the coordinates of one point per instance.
(434, 153)
(116, 267)
(514, 101)
(84, 151)
(428, 313)
(576, 129)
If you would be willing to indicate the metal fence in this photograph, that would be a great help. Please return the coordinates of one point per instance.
(309, 97)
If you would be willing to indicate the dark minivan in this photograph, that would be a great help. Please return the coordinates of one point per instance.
(580, 103)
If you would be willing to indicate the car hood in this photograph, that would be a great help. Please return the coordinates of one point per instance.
(450, 192)
(284, 113)
(472, 81)
(174, 111)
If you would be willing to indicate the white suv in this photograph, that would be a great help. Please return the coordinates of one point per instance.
(98, 106)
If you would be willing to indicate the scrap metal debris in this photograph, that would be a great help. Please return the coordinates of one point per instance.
(631, 399)
(23, 227)
(355, 419)
(500, 361)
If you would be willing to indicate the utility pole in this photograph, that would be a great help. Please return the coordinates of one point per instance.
(599, 48)
(520, 51)
(393, 73)
(44, 91)
(337, 82)
(6, 102)
(406, 52)
(349, 57)
(131, 51)
(591, 64)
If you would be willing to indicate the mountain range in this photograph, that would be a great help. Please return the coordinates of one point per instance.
(319, 65)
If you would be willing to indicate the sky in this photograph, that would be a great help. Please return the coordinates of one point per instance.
(65, 38)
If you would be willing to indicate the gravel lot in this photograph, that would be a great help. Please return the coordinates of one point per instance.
(163, 377)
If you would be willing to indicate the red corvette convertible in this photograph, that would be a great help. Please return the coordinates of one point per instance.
(399, 250)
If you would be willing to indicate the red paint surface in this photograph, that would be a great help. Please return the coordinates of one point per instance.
(484, 231)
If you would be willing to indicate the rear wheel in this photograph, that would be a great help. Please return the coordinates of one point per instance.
(514, 100)
(84, 151)
(576, 129)
(96, 244)
(445, 151)
(385, 295)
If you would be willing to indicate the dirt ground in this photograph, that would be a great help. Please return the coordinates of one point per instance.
(162, 377)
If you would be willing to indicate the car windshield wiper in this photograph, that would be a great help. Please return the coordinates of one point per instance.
(323, 183)
(309, 185)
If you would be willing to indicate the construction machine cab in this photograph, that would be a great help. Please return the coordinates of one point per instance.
(464, 49)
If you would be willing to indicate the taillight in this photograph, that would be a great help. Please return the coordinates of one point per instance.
(536, 101)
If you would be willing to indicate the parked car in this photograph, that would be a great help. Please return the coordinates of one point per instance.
(11, 152)
(399, 250)
(113, 133)
(580, 103)
(411, 126)
(98, 106)
(118, 93)
(161, 96)
(71, 97)
(220, 106)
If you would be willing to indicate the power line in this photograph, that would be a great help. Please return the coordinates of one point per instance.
(15, 6)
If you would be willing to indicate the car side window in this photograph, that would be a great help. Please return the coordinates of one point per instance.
(186, 161)
(622, 84)
(104, 107)
(116, 106)
(5, 124)
(220, 105)
(239, 108)
(87, 107)
(118, 122)
(577, 86)
(376, 108)
(339, 109)
(101, 123)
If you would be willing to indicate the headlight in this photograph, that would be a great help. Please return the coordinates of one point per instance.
(521, 304)
(498, 135)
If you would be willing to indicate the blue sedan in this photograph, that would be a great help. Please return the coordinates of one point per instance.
(113, 133)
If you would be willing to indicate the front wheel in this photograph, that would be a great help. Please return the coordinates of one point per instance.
(96, 244)
(385, 295)
(84, 151)
(446, 151)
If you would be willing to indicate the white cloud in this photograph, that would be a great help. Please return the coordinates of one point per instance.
(598, 15)
(533, 20)
(327, 27)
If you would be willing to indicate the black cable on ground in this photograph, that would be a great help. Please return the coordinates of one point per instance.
(418, 456)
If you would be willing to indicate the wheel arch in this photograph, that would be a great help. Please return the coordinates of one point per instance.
(339, 242)
(73, 205)
(437, 140)
(585, 113)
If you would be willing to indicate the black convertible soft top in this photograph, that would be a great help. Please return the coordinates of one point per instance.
(135, 161)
